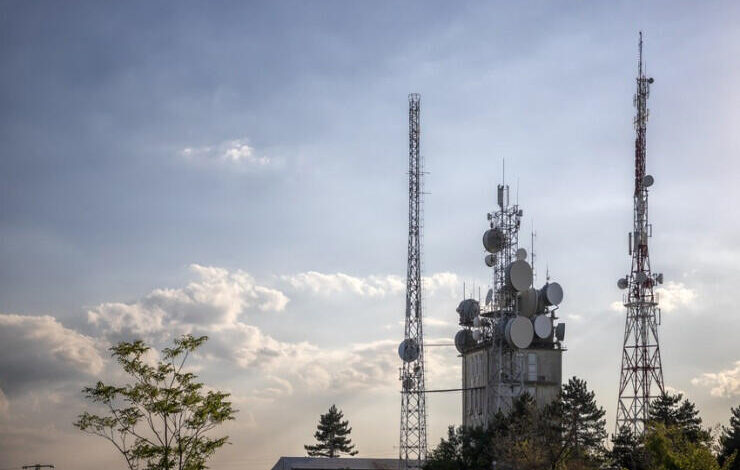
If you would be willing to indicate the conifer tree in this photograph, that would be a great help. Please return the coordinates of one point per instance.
(729, 441)
(583, 423)
(671, 411)
(627, 450)
(332, 436)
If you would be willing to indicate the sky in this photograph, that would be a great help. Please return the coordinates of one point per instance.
(239, 170)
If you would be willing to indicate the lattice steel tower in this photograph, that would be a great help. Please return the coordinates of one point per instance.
(641, 377)
(413, 444)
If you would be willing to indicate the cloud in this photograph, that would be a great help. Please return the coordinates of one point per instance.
(370, 286)
(725, 383)
(218, 298)
(39, 349)
(674, 295)
(235, 152)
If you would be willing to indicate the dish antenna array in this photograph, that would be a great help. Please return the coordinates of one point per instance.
(641, 364)
(413, 445)
(515, 315)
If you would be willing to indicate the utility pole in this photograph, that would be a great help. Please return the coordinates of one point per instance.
(641, 377)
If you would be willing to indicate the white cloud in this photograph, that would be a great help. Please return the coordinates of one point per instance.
(674, 295)
(39, 348)
(725, 383)
(236, 152)
(369, 286)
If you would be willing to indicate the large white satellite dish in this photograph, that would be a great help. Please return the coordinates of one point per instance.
(490, 260)
(542, 326)
(468, 310)
(519, 332)
(408, 350)
(552, 294)
(622, 283)
(528, 300)
(464, 340)
(494, 240)
(519, 275)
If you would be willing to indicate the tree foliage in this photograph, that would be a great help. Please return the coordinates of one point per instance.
(332, 436)
(161, 420)
(729, 442)
(673, 411)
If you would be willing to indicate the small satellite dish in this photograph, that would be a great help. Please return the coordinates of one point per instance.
(494, 240)
(464, 340)
(647, 181)
(560, 331)
(519, 275)
(521, 254)
(489, 297)
(552, 294)
(490, 260)
(622, 283)
(528, 301)
(659, 278)
(542, 326)
(408, 350)
(519, 332)
(641, 277)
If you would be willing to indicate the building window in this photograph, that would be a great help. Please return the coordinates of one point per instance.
(532, 367)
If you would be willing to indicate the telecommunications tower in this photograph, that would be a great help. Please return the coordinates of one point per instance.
(641, 378)
(413, 443)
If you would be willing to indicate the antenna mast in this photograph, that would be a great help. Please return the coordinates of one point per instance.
(413, 444)
(641, 364)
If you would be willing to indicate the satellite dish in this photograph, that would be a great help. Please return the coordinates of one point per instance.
(641, 277)
(409, 383)
(542, 326)
(622, 283)
(490, 260)
(494, 240)
(552, 294)
(408, 350)
(519, 275)
(528, 300)
(647, 181)
(476, 335)
(464, 340)
(519, 332)
(560, 331)
(489, 297)
(521, 254)
(468, 310)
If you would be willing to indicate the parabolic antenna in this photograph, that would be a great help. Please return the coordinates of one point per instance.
(552, 294)
(468, 310)
(647, 181)
(464, 340)
(489, 297)
(560, 331)
(408, 350)
(528, 300)
(476, 335)
(622, 283)
(494, 240)
(542, 326)
(490, 260)
(519, 275)
(521, 254)
(519, 332)
(659, 278)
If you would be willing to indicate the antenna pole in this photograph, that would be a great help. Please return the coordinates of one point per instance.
(641, 363)
(413, 445)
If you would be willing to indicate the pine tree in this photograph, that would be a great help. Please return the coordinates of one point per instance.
(583, 423)
(671, 411)
(729, 442)
(332, 436)
(627, 450)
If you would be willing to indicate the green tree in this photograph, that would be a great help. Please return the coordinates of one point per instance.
(464, 449)
(583, 423)
(668, 448)
(627, 450)
(675, 411)
(161, 420)
(729, 442)
(332, 436)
